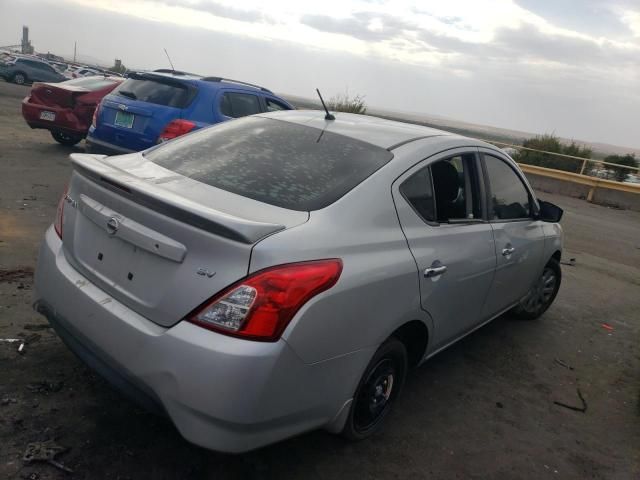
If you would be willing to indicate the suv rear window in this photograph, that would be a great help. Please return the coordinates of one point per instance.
(280, 163)
(159, 92)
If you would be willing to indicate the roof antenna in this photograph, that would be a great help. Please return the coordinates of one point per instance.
(328, 116)
(169, 58)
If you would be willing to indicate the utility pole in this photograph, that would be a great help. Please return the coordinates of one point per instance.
(74, 51)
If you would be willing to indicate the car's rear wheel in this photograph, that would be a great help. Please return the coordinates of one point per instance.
(542, 294)
(66, 138)
(377, 391)
(20, 78)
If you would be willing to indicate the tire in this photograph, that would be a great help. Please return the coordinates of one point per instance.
(19, 78)
(542, 294)
(66, 139)
(377, 390)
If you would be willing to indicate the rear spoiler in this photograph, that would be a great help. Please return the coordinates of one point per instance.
(168, 203)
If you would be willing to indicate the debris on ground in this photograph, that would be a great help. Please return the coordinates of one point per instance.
(582, 409)
(45, 387)
(36, 326)
(571, 262)
(7, 400)
(562, 364)
(45, 452)
(15, 274)
(10, 340)
(607, 327)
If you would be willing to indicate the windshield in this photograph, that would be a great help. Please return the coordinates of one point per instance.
(272, 161)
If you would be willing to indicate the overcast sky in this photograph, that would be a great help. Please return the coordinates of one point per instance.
(566, 66)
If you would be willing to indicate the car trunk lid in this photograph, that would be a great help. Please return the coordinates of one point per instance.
(159, 242)
(56, 95)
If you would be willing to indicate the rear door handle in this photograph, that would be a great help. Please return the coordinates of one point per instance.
(435, 271)
(507, 251)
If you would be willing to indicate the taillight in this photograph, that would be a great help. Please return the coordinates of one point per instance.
(57, 225)
(261, 306)
(96, 112)
(175, 128)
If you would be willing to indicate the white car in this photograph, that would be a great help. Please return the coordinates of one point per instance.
(76, 72)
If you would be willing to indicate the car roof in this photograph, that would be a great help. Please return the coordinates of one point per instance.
(210, 81)
(387, 134)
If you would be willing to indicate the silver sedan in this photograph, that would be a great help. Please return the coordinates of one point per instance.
(282, 272)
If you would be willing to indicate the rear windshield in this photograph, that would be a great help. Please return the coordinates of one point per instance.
(91, 83)
(158, 92)
(280, 163)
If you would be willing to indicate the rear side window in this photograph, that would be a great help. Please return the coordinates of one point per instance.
(155, 91)
(237, 105)
(418, 191)
(509, 197)
(275, 162)
(447, 191)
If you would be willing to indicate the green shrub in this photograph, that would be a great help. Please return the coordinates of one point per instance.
(345, 103)
(551, 143)
(620, 174)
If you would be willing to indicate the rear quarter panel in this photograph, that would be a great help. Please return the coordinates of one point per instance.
(378, 290)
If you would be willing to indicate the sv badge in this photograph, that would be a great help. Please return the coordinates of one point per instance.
(205, 272)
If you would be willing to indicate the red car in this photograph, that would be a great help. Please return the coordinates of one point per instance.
(66, 108)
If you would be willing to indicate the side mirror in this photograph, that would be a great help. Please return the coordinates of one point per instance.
(549, 212)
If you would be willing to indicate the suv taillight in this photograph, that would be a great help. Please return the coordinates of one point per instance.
(96, 112)
(261, 306)
(175, 128)
(57, 225)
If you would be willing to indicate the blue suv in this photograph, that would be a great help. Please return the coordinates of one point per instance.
(152, 107)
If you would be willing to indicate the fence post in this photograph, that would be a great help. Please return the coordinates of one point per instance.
(584, 164)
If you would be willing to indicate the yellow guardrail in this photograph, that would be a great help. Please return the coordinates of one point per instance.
(573, 157)
(593, 182)
(578, 178)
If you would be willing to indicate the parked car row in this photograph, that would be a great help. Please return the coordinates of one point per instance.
(24, 69)
(119, 115)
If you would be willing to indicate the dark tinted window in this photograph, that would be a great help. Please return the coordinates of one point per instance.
(418, 191)
(509, 197)
(158, 92)
(276, 162)
(237, 105)
(274, 105)
(455, 184)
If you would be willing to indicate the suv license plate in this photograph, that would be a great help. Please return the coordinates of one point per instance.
(124, 119)
(51, 116)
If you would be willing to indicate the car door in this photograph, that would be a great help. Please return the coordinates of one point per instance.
(27, 66)
(440, 204)
(49, 74)
(39, 72)
(519, 236)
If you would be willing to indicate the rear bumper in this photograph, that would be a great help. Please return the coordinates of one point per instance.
(93, 145)
(66, 120)
(222, 393)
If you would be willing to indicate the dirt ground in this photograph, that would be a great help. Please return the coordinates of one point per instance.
(483, 409)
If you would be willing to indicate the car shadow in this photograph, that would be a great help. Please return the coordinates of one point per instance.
(443, 395)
